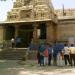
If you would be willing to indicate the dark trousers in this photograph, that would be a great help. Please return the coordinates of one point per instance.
(66, 58)
(49, 59)
(41, 60)
(38, 57)
(13, 45)
(55, 60)
(72, 58)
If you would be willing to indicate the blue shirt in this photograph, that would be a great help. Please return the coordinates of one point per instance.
(50, 50)
(57, 48)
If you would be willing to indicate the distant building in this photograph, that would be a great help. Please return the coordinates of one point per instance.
(66, 25)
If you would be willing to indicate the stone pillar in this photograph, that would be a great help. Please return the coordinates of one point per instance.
(16, 30)
(35, 36)
(1, 34)
(55, 32)
(49, 32)
(4, 32)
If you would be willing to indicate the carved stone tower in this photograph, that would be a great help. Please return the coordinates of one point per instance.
(30, 10)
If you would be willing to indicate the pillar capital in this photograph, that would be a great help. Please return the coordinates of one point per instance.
(16, 26)
(35, 24)
(48, 23)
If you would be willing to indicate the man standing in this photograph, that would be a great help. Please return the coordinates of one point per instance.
(13, 42)
(72, 54)
(18, 42)
(49, 54)
(41, 50)
(66, 54)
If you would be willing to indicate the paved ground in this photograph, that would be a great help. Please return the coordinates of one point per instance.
(32, 68)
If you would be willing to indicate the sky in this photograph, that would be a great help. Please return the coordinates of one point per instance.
(7, 5)
(67, 4)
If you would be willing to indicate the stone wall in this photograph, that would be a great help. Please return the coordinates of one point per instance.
(68, 12)
(65, 30)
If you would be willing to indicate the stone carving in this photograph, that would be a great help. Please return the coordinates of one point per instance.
(32, 10)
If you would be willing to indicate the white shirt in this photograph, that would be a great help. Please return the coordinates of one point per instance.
(66, 50)
(12, 40)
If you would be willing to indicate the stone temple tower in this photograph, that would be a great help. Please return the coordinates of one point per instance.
(30, 10)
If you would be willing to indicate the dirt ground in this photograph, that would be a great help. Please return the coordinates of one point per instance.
(15, 67)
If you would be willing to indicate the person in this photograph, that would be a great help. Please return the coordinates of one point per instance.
(72, 54)
(60, 58)
(55, 52)
(57, 48)
(66, 51)
(18, 41)
(41, 49)
(45, 53)
(13, 42)
(38, 57)
(49, 54)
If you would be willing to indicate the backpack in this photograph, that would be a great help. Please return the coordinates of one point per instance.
(45, 52)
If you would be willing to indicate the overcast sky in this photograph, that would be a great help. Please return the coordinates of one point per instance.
(67, 3)
(5, 6)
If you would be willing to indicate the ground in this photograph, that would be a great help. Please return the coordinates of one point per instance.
(12, 67)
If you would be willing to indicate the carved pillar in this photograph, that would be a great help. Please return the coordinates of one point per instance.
(55, 32)
(1, 33)
(49, 33)
(35, 36)
(16, 30)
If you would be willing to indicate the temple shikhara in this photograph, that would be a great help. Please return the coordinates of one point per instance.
(34, 20)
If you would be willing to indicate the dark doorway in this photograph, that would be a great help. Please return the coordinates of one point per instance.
(10, 32)
(43, 31)
(26, 34)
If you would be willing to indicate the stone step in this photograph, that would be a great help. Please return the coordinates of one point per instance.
(12, 54)
(15, 54)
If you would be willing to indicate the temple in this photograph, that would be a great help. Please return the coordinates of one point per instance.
(36, 20)
(31, 20)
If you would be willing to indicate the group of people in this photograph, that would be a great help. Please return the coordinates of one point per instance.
(44, 54)
(58, 54)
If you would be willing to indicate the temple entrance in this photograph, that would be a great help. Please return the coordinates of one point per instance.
(25, 32)
(43, 31)
(26, 35)
(10, 32)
